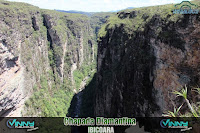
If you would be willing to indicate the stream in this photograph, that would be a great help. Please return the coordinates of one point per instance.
(79, 96)
(79, 102)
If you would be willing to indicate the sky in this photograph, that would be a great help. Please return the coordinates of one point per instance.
(95, 5)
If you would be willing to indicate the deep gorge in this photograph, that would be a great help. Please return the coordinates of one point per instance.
(45, 56)
(127, 63)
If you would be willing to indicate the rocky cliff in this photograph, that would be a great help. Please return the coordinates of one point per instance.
(39, 52)
(143, 55)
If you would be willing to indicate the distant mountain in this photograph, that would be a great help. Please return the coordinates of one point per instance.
(130, 7)
(79, 12)
(88, 13)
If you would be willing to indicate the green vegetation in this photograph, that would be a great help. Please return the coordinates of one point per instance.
(51, 57)
(51, 95)
(49, 100)
(173, 114)
(17, 7)
(98, 19)
(83, 72)
(78, 77)
(193, 107)
(17, 17)
(136, 19)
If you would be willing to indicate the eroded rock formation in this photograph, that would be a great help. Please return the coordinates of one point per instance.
(138, 70)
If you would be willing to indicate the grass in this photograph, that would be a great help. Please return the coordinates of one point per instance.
(144, 15)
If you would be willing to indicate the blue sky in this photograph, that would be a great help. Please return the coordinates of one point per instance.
(95, 5)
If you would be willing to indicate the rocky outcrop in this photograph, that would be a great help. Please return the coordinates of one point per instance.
(21, 53)
(123, 15)
(37, 43)
(11, 81)
(138, 68)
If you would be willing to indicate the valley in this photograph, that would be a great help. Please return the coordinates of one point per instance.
(125, 63)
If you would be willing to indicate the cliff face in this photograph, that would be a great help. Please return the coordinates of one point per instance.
(21, 52)
(69, 36)
(144, 55)
(37, 43)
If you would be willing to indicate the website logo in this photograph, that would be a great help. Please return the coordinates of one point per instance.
(13, 123)
(167, 123)
(186, 7)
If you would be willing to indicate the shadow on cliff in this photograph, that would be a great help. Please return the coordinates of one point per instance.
(82, 104)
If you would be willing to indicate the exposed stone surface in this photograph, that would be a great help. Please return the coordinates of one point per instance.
(136, 75)
(26, 38)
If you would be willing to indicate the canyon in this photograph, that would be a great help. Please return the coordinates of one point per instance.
(128, 63)
(44, 54)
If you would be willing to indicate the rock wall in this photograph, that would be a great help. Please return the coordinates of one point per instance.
(142, 58)
(21, 54)
(34, 43)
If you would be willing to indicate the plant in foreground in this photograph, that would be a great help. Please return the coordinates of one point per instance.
(183, 93)
(173, 114)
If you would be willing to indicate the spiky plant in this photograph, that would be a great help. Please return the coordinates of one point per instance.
(173, 114)
(183, 94)
(198, 103)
